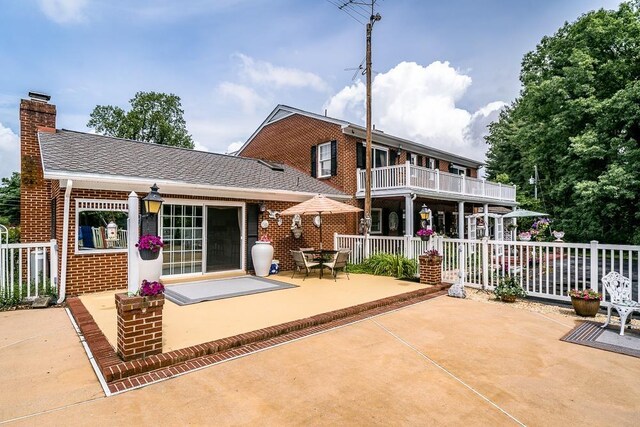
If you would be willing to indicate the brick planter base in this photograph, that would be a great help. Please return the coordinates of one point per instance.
(430, 270)
(139, 326)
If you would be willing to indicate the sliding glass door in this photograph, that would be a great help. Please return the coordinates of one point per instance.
(224, 238)
(182, 233)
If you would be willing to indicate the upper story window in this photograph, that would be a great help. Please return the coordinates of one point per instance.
(324, 160)
(458, 170)
(432, 164)
(379, 157)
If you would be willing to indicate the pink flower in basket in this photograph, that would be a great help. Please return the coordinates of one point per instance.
(424, 232)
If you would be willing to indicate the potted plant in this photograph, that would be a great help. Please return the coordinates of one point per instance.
(525, 236)
(150, 291)
(262, 255)
(585, 302)
(433, 256)
(509, 289)
(424, 233)
(149, 247)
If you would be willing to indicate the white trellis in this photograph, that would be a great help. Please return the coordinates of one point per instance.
(498, 228)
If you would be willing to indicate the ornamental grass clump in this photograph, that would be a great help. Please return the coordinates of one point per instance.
(586, 294)
(150, 242)
(150, 289)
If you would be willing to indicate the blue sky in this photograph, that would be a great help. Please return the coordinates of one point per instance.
(444, 68)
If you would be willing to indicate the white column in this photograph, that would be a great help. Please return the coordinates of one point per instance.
(132, 239)
(460, 220)
(485, 210)
(408, 215)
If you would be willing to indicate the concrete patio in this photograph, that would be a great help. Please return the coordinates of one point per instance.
(441, 362)
(184, 326)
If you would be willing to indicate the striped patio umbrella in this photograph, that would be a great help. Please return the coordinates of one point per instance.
(319, 205)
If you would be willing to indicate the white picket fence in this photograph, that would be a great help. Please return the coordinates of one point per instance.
(544, 269)
(28, 270)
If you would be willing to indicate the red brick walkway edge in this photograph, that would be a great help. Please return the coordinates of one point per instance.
(121, 376)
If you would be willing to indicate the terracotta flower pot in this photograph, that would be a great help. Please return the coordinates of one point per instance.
(585, 307)
(508, 298)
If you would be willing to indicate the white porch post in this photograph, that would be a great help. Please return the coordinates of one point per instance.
(460, 220)
(485, 210)
(408, 215)
(132, 240)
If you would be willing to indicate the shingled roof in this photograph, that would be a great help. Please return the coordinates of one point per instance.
(74, 152)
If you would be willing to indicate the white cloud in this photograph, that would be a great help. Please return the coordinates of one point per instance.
(247, 97)
(199, 147)
(419, 103)
(9, 152)
(64, 11)
(234, 146)
(265, 73)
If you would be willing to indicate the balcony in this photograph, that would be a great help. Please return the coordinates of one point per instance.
(432, 182)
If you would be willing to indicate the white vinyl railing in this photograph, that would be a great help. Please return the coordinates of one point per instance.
(410, 176)
(28, 270)
(545, 269)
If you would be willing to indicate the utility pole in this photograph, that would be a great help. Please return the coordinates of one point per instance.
(367, 189)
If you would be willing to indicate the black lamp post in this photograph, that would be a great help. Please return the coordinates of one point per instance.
(152, 204)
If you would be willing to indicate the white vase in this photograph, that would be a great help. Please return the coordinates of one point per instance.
(150, 270)
(262, 254)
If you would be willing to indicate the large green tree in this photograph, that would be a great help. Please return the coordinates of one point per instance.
(153, 117)
(10, 200)
(578, 119)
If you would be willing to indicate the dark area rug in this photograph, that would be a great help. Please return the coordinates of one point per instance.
(209, 290)
(592, 335)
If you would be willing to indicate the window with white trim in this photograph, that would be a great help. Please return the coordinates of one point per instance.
(413, 159)
(324, 160)
(380, 157)
(101, 226)
(432, 163)
(458, 170)
(182, 234)
(376, 221)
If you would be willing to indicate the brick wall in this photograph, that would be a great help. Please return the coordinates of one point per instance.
(430, 270)
(35, 192)
(139, 326)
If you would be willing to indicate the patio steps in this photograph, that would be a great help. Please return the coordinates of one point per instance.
(122, 376)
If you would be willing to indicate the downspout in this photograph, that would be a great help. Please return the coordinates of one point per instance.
(65, 242)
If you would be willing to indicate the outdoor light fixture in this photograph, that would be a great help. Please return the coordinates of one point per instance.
(112, 231)
(152, 201)
(425, 216)
(263, 207)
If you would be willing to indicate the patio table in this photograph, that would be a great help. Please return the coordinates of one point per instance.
(321, 256)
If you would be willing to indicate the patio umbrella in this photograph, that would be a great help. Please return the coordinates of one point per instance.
(319, 205)
(522, 213)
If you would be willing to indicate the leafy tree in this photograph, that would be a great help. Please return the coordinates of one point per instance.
(578, 119)
(153, 117)
(10, 200)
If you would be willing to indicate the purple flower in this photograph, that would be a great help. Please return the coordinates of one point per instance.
(149, 289)
(150, 242)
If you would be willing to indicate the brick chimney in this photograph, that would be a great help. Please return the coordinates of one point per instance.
(36, 114)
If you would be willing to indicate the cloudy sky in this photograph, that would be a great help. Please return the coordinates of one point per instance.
(443, 69)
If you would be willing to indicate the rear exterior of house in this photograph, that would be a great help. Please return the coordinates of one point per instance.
(75, 184)
(405, 174)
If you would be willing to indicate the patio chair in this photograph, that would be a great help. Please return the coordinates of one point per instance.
(619, 289)
(302, 263)
(309, 257)
(339, 263)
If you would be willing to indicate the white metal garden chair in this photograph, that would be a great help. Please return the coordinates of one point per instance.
(619, 289)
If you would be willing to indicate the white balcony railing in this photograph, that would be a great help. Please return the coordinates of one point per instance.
(410, 176)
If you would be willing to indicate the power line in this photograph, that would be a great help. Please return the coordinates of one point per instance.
(342, 8)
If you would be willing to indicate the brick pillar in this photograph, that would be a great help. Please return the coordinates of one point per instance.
(35, 193)
(139, 326)
(430, 270)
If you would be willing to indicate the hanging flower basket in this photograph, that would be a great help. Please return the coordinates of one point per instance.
(149, 247)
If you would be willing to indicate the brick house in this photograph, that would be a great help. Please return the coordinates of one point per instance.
(405, 174)
(75, 184)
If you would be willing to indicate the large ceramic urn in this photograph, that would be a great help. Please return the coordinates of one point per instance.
(262, 255)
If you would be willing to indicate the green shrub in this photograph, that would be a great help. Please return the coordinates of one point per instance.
(386, 265)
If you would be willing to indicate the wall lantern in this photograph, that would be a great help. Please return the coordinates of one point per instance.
(152, 201)
(112, 231)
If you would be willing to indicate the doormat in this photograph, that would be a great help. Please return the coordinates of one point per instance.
(592, 335)
(209, 290)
